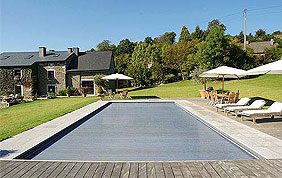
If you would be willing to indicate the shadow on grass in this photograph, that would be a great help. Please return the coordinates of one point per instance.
(144, 97)
(268, 101)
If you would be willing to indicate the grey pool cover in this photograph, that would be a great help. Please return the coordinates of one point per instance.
(142, 132)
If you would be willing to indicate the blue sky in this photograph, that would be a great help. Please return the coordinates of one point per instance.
(57, 24)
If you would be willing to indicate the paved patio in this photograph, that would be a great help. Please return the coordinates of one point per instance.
(199, 169)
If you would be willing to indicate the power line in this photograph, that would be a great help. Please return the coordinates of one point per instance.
(270, 7)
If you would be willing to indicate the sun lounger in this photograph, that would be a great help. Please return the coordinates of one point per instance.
(274, 110)
(257, 104)
(241, 102)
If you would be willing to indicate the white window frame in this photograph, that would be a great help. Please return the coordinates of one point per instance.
(21, 89)
(51, 85)
(54, 74)
(94, 87)
(20, 71)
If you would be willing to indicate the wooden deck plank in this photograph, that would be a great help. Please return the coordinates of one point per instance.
(66, 170)
(271, 163)
(218, 169)
(202, 170)
(133, 173)
(5, 164)
(117, 170)
(194, 171)
(58, 169)
(25, 169)
(75, 169)
(10, 168)
(159, 170)
(108, 170)
(151, 172)
(91, 171)
(142, 169)
(17, 169)
(167, 170)
(99, 172)
(50, 169)
(244, 168)
(34, 169)
(125, 170)
(210, 169)
(271, 169)
(176, 170)
(42, 169)
(258, 169)
(185, 170)
(227, 169)
(82, 171)
(237, 171)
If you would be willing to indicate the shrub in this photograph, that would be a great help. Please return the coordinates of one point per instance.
(62, 92)
(51, 95)
(100, 90)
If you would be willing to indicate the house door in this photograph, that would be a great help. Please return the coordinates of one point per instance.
(89, 84)
(18, 90)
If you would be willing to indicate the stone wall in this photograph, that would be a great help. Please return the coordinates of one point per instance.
(59, 80)
(8, 81)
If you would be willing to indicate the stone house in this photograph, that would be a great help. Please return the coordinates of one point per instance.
(30, 73)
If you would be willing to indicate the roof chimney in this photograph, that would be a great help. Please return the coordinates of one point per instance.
(272, 42)
(69, 50)
(42, 51)
(76, 50)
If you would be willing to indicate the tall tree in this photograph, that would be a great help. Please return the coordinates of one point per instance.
(121, 62)
(166, 38)
(184, 35)
(260, 33)
(198, 33)
(125, 47)
(241, 37)
(148, 40)
(180, 56)
(211, 52)
(105, 45)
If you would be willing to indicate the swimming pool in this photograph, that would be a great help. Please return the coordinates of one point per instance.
(148, 131)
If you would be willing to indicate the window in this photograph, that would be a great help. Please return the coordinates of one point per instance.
(18, 72)
(51, 88)
(50, 74)
(19, 90)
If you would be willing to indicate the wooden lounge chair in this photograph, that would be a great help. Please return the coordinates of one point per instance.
(124, 93)
(241, 102)
(274, 110)
(258, 104)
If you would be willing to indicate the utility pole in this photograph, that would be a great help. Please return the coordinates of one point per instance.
(245, 36)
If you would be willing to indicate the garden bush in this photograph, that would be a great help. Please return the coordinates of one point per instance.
(51, 95)
(62, 92)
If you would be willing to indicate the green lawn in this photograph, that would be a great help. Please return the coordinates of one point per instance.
(21, 117)
(265, 86)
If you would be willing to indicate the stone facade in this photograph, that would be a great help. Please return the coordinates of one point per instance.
(8, 81)
(59, 80)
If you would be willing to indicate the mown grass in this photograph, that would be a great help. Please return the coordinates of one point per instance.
(21, 117)
(265, 86)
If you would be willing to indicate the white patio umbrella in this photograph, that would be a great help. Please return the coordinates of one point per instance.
(117, 77)
(270, 68)
(223, 72)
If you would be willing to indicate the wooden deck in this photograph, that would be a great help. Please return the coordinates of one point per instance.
(196, 169)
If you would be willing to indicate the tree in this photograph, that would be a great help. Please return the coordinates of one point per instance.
(139, 68)
(260, 33)
(198, 34)
(125, 47)
(180, 56)
(241, 37)
(215, 23)
(105, 45)
(121, 62)
(148, 40)
(184, 35)
(166, 38)
(211, 52)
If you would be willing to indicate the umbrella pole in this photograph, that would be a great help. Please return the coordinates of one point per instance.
(222, 84)
(117, 86)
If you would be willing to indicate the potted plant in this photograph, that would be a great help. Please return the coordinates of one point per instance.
(84, 91)
(196, 77)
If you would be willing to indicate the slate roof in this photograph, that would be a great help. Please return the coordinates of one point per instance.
(259, 47)
(92, 61)
(20, 58)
